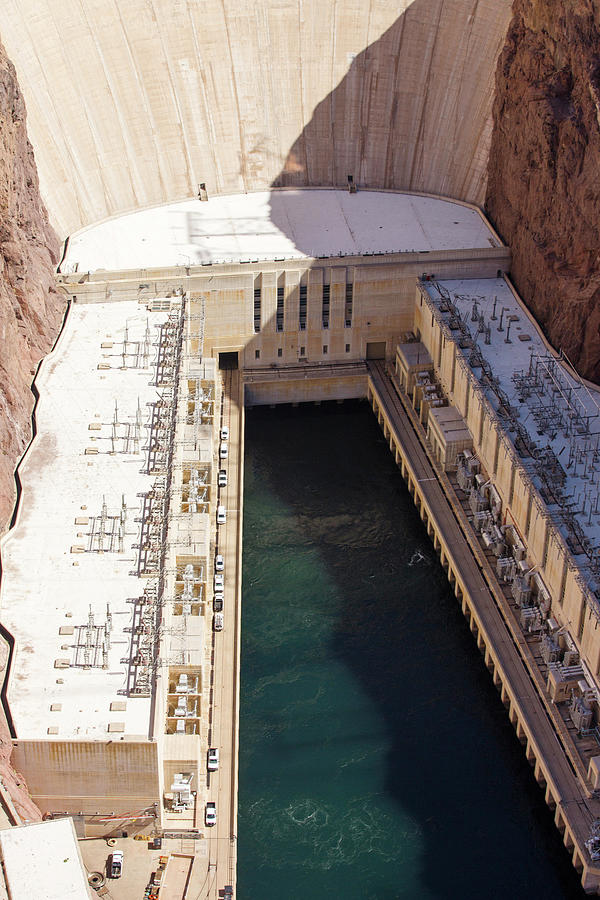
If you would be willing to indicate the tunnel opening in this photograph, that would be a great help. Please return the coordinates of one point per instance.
(376, 350)
(228, 360)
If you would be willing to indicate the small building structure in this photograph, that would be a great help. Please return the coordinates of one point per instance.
(412, 359)
(448, 434)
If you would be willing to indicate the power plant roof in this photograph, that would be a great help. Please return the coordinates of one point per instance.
(282, 224)
(69, 563)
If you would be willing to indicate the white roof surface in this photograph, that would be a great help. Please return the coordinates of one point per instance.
(44, 585)
(42, 862)
(549, 393)
(277, 225)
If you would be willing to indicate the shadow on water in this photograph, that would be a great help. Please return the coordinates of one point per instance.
(364, 696)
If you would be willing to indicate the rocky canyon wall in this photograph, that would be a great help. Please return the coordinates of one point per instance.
(30, 307)
(544, 169)
(30, 317)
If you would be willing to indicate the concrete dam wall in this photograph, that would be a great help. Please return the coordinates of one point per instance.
(135, 104)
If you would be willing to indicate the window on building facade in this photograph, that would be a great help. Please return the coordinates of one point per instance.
(279, 314)
(325, 308)
(348, 306)
(256, 310)
(302, 308)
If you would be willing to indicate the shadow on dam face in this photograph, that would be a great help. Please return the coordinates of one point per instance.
(413, 112)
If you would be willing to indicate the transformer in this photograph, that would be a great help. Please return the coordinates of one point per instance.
(593, 842)
(477, 501)
(464, 478)
(531, 620)
(473, 465)
(521, 592)
(498, 543)
(571, 658)
(483, 522)
(562, 681)
(495, 503)
(515, 542)
(550, 649)
(506, 568)
(480, 482)
(580, 713)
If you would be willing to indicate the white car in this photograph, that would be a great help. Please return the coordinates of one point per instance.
(221, 515)
(219, 581)
(213, 759)
(210, 814)
(219, 563)
(116, 864)
(223, 451)
(224, 433)
(222, 478)
(218, 621)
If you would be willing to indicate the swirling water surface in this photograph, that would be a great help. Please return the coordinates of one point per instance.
(376, 760)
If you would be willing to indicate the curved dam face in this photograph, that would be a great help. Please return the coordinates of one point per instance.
(135, 104)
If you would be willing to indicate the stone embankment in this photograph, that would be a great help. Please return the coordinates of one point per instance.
(543, 189)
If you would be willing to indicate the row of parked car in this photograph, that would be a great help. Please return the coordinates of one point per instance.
(218, 592)
(224, 446)
(212, 764)
(219, 585)
(210, 812)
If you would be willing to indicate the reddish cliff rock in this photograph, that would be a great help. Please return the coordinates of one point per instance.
(30, 308)
(30, 317)
(544, 169)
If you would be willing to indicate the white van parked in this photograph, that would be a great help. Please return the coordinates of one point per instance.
(210, 813)
(221, 515)
(116, 864)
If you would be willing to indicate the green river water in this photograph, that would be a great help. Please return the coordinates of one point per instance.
(376, 760)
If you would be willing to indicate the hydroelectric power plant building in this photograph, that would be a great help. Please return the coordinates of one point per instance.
(111, 692)
(183, 314)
